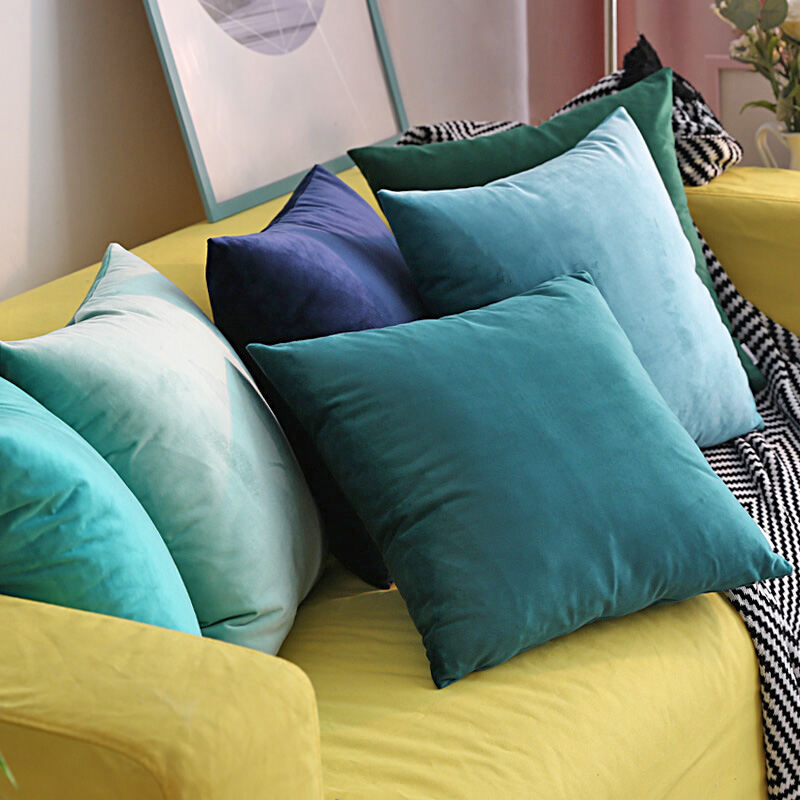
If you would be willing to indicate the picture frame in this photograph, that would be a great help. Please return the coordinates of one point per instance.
(314, 68)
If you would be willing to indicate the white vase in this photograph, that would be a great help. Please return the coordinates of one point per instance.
(791, 141)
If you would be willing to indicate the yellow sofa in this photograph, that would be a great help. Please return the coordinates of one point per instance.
(664, 703)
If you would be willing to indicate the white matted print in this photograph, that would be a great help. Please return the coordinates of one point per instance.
(264, 89)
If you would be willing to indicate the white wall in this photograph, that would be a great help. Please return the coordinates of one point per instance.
(89, 145)
(459, 58)
(90, 149)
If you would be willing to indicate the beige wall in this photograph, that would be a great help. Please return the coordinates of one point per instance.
(90, 149)
(89, 146)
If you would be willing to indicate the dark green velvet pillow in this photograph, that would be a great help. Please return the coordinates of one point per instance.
(518, 470)
(474, 162)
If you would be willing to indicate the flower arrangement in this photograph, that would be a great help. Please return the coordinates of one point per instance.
(769, 42)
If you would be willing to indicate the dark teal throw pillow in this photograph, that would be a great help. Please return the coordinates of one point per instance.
(518, 470)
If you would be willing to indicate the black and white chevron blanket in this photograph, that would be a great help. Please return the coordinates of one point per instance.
(762, 469)
(704, 148)
(452, 130)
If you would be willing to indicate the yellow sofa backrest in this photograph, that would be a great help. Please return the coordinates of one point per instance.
(181, 256)
(750, 216)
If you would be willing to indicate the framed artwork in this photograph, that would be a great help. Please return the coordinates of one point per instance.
(264, 89)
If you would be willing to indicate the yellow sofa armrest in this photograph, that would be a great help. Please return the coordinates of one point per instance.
(97, 707)
(751, 218)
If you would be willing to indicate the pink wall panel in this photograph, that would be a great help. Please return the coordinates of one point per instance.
(684, 32)
(628, 30)
(566, 51)
(566, 44)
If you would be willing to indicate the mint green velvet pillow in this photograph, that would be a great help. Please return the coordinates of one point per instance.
(152, 385)
(600, 207)
(71, 533)
(518, 470)
(474, 162)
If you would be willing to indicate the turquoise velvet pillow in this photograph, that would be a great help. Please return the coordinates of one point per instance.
(474, 162)
(601, 207)
(154, 387)
(71, 533)
(518, 470)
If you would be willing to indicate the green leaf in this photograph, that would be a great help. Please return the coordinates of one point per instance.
(784, 109)
(773, 13)
(742, 13)
(772, 45)
(4, 768)
(759, 104)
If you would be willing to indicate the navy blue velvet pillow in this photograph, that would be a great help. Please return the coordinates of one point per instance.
(326, 264)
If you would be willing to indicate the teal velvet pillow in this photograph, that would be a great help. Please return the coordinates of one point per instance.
(152, 385)
(600, 207)
(474, 162)
(518, 470)
(71, 533)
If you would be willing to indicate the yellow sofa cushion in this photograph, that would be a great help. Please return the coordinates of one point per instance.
(751, 219)
(661, 704)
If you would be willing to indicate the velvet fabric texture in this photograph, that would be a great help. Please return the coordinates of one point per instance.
(474, 162)
(71, 532)
(326, 264)
(144, 377)
(601, 207)
(519, 471)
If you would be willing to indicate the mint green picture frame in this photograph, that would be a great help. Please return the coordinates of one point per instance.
(214, 208)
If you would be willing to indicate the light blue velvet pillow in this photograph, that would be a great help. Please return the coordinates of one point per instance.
(152, 385)
(518, 470)
(71, 532)
(600, 207)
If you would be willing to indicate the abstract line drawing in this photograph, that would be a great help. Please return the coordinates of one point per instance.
(254, 123)
(273, 27)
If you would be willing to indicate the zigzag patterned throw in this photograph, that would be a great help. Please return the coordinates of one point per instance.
(762, 469)
(452, 130)
(705, 149)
